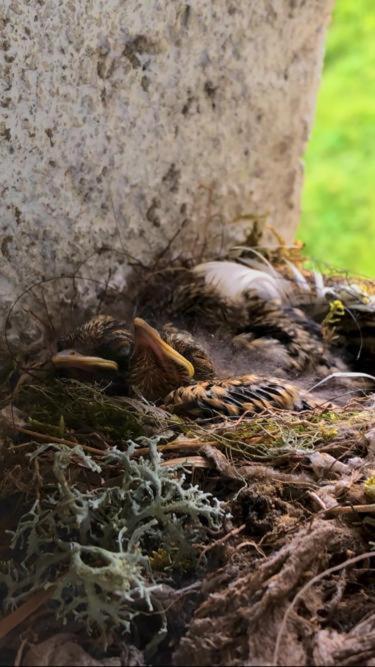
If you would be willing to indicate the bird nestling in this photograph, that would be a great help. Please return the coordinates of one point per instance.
(249, 305)
(144, 363)
(99, 351)
(172, 369)
(156, 368)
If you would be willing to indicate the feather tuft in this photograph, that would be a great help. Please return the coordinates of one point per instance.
(233, 280)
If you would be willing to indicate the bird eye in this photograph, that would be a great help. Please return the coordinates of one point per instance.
(65, 342)
(123, 353)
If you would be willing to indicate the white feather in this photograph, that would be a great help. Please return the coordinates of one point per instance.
(259, 260)
(319, 285)
(232, 280)
(299, 277)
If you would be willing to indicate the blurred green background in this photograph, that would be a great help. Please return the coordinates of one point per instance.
(338, 205)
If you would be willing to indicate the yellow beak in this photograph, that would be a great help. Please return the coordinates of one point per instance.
(146, 336)
(73, 359)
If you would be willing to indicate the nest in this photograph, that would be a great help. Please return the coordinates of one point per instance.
(131, 536)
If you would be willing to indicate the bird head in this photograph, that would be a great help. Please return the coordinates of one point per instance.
(99, 346)
(156, 368)
(144, 362)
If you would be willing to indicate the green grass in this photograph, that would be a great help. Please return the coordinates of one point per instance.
(338, 218)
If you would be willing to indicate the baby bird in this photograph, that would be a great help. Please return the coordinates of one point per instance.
(272, 326)
(171, 368)
(103, 336)
(256, 315)
(144, 362)
(156, 368)
(98, 351)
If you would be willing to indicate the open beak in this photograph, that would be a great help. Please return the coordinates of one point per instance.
(73, 359)
(146, 336)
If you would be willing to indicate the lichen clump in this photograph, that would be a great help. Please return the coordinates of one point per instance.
(94, 546)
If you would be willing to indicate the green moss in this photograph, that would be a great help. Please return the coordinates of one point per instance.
(263, 437)
(59, 406)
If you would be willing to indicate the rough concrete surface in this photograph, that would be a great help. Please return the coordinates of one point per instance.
(125, 121)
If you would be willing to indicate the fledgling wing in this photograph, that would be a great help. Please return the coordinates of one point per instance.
(299, 335)
(185, 344)
(235, 396)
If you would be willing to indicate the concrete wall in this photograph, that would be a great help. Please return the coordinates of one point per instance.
(126, 122)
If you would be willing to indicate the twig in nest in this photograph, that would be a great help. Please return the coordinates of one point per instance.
(251, 543)
(172, 446)
(169, 243)
(177, 445)
(16, 617)
(222, 540)
(302, 591)
(317, 500)
(195, 461)
(20, 652)
(104, 292)
(351, 509)
(59, 441)
(63, 276)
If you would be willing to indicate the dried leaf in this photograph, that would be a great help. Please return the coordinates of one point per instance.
(194, 461)
(220, 461)
(12, 419)
(325, 465)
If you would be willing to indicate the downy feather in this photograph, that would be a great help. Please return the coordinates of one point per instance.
(232, 280)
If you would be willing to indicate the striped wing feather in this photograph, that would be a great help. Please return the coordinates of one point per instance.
(234, 397)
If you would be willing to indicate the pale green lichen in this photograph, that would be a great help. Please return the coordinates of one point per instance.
(96, 545)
